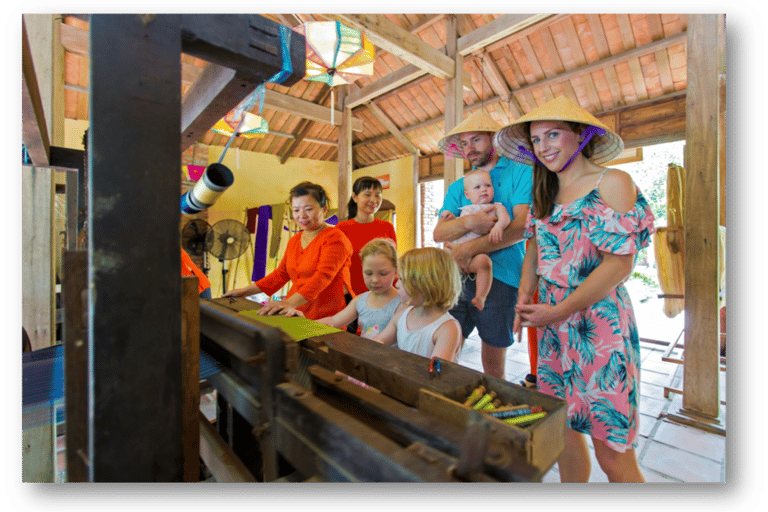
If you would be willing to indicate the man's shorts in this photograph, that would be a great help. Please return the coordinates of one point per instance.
(495, 322)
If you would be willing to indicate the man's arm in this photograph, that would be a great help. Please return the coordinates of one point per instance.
(448, 230)
(512, 234)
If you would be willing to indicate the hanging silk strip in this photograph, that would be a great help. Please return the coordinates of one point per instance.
(278, 210)
(332, 220)
(260, 247)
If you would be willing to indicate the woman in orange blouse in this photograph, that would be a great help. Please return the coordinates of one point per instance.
(316, 262)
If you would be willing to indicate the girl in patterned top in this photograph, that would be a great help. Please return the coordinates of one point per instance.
(586, 225)
(375, 307)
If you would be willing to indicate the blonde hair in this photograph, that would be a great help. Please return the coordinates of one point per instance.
(384, 246)
(476, 172)
(433, 274)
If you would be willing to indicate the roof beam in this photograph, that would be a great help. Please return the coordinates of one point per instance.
(301, 131)
(34, 128)
(393, 129)
(217, 90)
(424, 22)
(396, 40)
(501, 27)
(610, 61)
(306, 109)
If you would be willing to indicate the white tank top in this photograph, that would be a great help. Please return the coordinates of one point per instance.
(419, 341)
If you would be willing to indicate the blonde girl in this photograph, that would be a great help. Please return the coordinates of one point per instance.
(429, 284)
(374, 308)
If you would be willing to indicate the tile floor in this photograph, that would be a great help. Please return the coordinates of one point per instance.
(668, 451)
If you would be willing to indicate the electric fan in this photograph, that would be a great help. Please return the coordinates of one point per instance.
(193, 240)
(227, 240)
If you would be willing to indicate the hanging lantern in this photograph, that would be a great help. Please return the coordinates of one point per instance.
(253, 126)
(336, 54)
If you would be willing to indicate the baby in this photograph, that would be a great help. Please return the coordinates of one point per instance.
(478, 189)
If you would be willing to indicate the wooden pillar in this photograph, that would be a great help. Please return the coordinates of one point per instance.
(345, 154)
(454, 103)
(37, 256)
(701, 367)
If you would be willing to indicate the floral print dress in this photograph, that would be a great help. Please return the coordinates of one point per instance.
(591, 359)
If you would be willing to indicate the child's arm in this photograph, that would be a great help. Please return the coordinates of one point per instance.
(341, 319)
(497, 231)
(447, 339)
(446, 215)
(389, 335)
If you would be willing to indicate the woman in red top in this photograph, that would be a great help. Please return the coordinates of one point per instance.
(361, 227)
(316, 262)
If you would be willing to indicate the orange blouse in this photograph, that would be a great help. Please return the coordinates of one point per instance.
(318, 272)
(188, 268)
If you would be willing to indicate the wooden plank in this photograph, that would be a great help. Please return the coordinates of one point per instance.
(306, 109)
(190, 375)
(498, 29)
(34, 128)
(74, 284)
(381, 116)
(702, 343)
(37, 255)
(390, 37)
(216, 91)
(219, 458)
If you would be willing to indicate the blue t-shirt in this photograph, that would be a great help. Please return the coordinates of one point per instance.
(512, 185)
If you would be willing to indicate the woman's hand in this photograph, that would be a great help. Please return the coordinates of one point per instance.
(517, 326)
(537, 315)
(237, 292)
(292, 312)
(275, 307)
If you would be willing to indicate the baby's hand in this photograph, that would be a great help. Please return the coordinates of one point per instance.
(496, 233)
(446, 215)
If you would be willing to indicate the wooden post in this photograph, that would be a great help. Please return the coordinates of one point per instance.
(190, 375)
(37, 256)
(74, 282)
(345, 154)
(701, 367)
(454, 103)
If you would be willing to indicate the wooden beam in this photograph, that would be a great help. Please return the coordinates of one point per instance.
(306, 109)
(345, 159)
(301, 131)
(396, 40)
(216, 91)
(454, 102)
(382, 117)
(501, 27)
(34, 128)
(289, 20)
(702, 340)
(425, 21)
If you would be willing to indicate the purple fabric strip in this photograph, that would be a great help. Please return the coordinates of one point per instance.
(260, 251)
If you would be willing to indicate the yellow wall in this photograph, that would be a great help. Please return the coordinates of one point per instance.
(401, 193)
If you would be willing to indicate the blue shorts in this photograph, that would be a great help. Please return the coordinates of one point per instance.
(495, 322)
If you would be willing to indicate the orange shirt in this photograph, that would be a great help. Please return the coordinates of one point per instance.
(189, 268)
(318, 272)
(360, 234)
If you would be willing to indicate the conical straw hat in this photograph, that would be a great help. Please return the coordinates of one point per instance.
(511, 137)
(480, 121)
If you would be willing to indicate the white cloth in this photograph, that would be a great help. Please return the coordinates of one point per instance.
(420, 341)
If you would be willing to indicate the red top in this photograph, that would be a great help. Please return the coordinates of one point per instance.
(189, 268)
(360, 234)
(318, 272)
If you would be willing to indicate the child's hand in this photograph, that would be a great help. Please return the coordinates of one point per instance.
(495, 234)
(446, 215)
(292, 312)
(325, 321)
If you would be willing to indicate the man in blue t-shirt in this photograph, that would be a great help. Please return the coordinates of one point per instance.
(473, 139)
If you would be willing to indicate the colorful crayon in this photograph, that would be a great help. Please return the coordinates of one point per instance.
(513, 414)
(527, 418)
(474, 396)
(487, 398)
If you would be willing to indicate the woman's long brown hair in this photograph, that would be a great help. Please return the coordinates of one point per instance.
(545, 182)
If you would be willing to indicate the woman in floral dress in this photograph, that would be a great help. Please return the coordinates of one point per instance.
(586, 225)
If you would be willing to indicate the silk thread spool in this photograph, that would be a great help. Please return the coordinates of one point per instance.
(526, 418)
(473, 397)
(487, 398)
